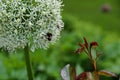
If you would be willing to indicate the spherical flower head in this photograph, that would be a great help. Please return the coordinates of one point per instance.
(34, 22)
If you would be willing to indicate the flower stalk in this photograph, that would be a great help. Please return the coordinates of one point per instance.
(28, 63)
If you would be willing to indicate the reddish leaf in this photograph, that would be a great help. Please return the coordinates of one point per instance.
(95, 75)
(86, 43)
(72, 73)
(93, 44)
(107, 73)
(80, 50)
(84, 76)
(82, 45)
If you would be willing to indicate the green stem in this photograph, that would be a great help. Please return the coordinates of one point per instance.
(28, 63)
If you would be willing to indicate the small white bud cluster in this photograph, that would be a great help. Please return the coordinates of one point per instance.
(34, 22)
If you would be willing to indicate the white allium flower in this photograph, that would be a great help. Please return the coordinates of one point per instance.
(34, 22)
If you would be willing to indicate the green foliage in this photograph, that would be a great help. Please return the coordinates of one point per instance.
(48, 63)
(90, 11)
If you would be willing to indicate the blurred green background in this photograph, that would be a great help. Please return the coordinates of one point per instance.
(82, 18)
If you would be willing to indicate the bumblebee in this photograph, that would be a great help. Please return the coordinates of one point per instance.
(49, 36)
